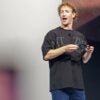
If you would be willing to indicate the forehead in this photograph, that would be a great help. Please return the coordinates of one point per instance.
(66, 8)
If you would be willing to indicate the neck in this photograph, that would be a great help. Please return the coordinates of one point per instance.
(67, 28)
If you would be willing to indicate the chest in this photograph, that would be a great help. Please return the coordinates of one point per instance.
(68, 38)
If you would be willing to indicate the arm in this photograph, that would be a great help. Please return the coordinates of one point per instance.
(86, 57)
(53, 53)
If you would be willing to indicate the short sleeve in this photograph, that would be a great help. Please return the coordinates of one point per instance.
(48, 43)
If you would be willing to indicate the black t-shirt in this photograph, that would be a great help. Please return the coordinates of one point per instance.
(65, 70)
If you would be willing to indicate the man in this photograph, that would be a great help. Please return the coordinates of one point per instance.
(66, 49)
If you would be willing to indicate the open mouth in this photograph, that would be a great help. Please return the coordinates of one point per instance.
(64, 19)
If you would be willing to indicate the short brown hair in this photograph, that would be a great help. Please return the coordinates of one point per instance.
(69, 5)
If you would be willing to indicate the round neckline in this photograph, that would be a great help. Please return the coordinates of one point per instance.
(65, 29)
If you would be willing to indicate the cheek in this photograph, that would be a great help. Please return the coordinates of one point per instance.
(70, 17)
(61, 15)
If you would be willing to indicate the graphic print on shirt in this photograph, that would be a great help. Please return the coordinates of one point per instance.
(60, 41)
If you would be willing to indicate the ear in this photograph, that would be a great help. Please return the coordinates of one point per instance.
(74, 15)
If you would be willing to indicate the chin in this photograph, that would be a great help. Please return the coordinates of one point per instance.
(65, 25)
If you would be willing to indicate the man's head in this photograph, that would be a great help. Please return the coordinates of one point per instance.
(67, 13)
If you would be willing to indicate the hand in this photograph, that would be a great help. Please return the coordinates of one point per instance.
(71, 48)
(89, 49)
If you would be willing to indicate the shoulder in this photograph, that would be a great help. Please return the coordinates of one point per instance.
(52, 32)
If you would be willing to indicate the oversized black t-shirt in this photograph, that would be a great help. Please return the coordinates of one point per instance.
(65, 70)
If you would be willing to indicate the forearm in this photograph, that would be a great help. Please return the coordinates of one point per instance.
(86, 57)
(53, 53)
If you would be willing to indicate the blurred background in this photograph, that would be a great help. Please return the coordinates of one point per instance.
(23, 25)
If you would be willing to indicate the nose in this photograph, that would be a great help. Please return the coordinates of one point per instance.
(64, 12)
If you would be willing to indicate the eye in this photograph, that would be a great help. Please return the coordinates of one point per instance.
(61, 11)
(66, 11)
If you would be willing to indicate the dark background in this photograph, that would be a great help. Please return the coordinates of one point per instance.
(88, 22)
